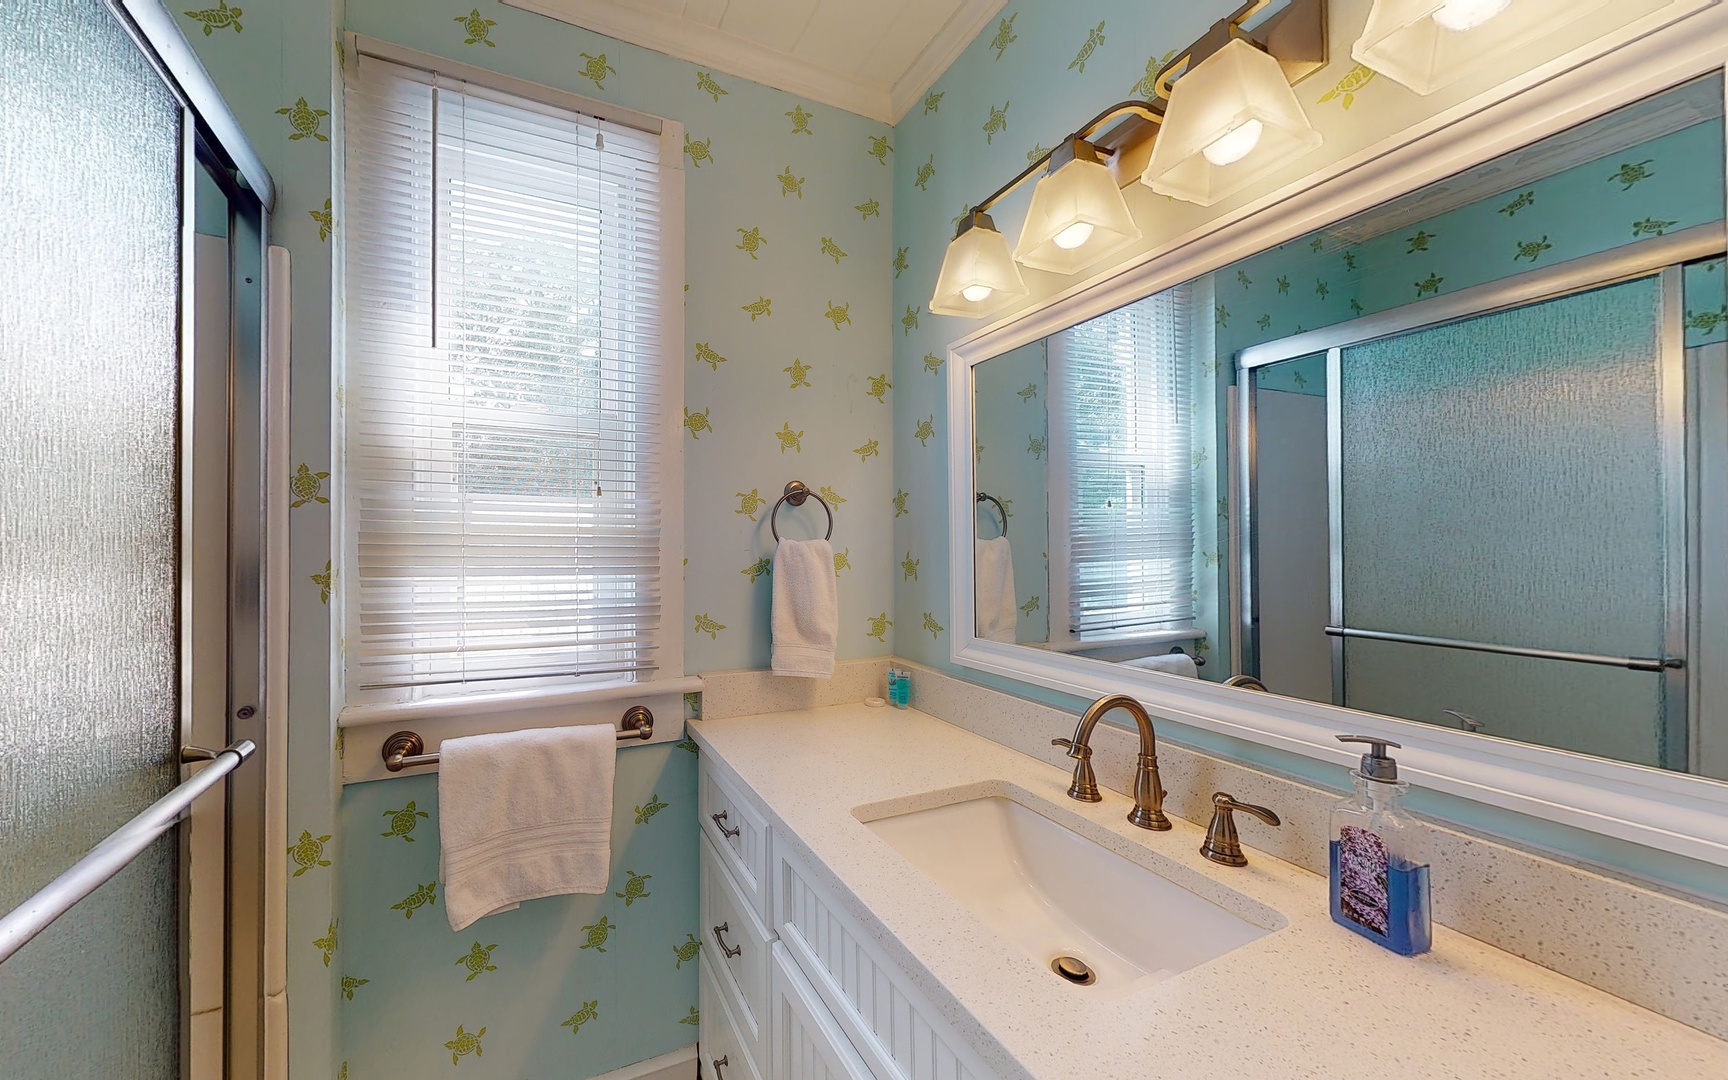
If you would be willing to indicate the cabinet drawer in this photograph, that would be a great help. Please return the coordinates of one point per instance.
(722, 1055)
(735, 949)
(739, 832)
(808, 1044)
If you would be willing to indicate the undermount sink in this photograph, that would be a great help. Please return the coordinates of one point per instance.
(1061, 897)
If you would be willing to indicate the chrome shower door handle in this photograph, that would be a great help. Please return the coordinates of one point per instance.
(729, 950)
(720, 823)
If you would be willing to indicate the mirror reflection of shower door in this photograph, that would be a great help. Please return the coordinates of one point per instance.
(1516, 479)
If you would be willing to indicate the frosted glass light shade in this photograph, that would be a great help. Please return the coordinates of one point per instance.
(1199, 155)
(1426, 44)
(977, 260)
(1079, 194)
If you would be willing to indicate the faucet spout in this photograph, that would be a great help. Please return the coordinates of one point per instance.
(1148, 812)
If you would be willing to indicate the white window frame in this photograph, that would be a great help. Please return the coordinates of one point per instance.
(594, 700)
(1676, 813)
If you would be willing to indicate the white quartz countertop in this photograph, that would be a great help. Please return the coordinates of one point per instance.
(1310, 999)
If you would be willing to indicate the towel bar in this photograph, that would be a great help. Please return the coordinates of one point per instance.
(405, 749)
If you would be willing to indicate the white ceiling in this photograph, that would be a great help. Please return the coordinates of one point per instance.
(872, 57)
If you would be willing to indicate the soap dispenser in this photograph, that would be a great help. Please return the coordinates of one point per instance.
(1378, 873)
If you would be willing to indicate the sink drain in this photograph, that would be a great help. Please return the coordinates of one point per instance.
(1074, 969)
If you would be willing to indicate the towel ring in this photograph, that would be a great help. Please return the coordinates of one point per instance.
(795, 494)
(1000, 509)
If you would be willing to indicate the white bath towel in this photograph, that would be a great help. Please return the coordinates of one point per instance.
(524, 814)
(806, 621)
(1169, 663)
(998, 617)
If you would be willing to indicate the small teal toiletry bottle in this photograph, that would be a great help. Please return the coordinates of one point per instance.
(1379, 877)
(899, 688)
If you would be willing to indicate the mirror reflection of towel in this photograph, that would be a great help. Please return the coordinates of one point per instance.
(998, 616)
(1169, 663)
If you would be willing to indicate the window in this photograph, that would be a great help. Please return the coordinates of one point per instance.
(1126, 430)
(506, 462)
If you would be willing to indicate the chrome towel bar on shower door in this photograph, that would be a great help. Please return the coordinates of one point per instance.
(1634, 663)
(406, 749)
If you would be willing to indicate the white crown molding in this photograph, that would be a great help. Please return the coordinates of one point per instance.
(733, 55)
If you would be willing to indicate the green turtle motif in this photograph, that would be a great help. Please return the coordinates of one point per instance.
(589, 1011)
(833, 498)
(1321, 289)
(879, 148)
(761, 568)
(477, 26)
(1200, 458)
(931, 101)
(1263, 322)
(978, 452)
(800, 120)
(304, 120)
(750, 241)
(596, 69)
(1418, 242)
(1706, 321)
(326, 219)
(933, 363)
(1429, 285)
(1147, 87)
(705, 83)
(704, 625)
(838, 313)
(687, 951)
(220, 17)
(698, 150)
(760, 306)
(1005, 35)
(1283, 284)
(1031, 605)
(997, 124)
(1036, 447)
(705, 354)
(1345, 90)
(649, 809)
(402, 821)
(879, 386)
(926, 430)
(694, 1019)
(1524, 200)
(1299, 379)
(749, 504)
(327, 943)
(900, 266)
(1317, 243)
(1093, 40)
(1355, 307)
(789, 439)
(1652, 227)
(689, 744)
(832, 250)
(1244, 280)
(1349, 260)
(932, 625)
(789, 184)
(477, 960)
(419, 898)
(909, 568)
(868, 209)
(306, 486)
(1027, 392)
(842, 560)
(465, 1043)
(900, 498)
(351, 984)
(1038, 150)
(925, 172)
(800, 372)
(910, 319)
(1532, 249)
(308, 852)
(600, 931)
(697, 422)
(1630, 173)
(1221, 314)
(869, 450)
(879, 625)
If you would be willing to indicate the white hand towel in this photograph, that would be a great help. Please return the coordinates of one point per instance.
(806, 621)
(1169, 663)
(524, 814)
(998, 618)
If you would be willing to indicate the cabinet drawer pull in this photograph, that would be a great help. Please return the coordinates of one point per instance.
(729, 950)
(720, 1063)
(720, 823)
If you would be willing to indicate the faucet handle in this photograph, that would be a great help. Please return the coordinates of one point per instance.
(1085, 785)
(1222, 845)
(1081, 751)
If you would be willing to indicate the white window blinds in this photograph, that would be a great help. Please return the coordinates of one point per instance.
(1127, 408)
(504, 467)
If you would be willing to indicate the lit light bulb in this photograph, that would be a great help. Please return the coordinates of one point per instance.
(1074, 235)
(977, 293)
(1461, 15)
(1236, 144)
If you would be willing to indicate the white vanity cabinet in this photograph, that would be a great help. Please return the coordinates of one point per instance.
(793, 987)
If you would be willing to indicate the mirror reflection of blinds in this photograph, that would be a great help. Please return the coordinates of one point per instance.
(1131, 482)
(503, 467)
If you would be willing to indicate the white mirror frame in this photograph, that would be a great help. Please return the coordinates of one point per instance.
(1673, 812)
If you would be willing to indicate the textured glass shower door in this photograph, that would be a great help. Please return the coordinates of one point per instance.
(1509, 479)
(90, 196)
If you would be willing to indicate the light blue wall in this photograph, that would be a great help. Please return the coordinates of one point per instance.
(1014, 435)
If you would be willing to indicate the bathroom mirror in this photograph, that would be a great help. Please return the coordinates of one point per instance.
(1460, 458)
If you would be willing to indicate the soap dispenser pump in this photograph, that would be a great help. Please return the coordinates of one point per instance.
(1378, 876)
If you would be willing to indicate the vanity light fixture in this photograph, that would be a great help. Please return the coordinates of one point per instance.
(1426, 44)
(1078, 215)
(978, 274)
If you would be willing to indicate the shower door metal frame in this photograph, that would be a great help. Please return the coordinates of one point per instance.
(1659, 256)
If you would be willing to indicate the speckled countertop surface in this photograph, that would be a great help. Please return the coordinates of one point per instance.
(1308, 1000)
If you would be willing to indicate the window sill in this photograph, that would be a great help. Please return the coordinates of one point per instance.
(1151, 637)
(510, 701)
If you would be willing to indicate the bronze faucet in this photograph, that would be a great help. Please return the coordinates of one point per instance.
(1148, 812)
